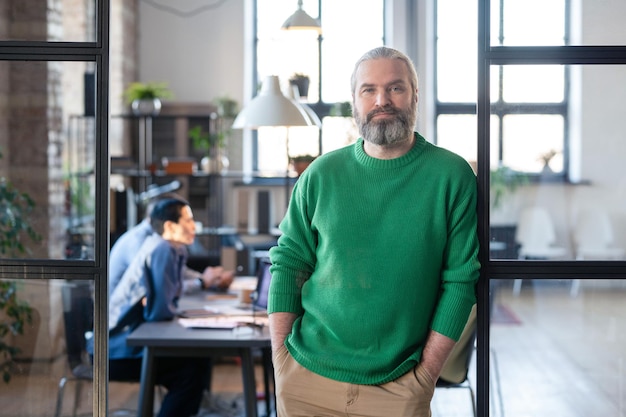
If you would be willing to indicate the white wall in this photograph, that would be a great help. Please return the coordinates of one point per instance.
(200, 56)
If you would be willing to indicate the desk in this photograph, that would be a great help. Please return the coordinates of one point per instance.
(169, 338)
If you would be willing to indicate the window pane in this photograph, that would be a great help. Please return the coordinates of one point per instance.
(548, 25)
(285, 53)
(36, 20)
(557, 347)
(52, 344)
(456, 50)
(341, 48)
(48, 152)
(338, 132)
(534, 83)
(533, 143)
(456, 72)
(457, 133)
(272, 150)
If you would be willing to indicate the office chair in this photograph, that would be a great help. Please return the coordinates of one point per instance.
(456, 368)
(78, 307)
(593, 236)
(536, 236)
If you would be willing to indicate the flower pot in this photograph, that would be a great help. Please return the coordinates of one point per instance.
(146, 107)
(300, 166)
(303, 86)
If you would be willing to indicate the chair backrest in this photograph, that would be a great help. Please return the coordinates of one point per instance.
(535, 228)
(457, 366)
(593, 229)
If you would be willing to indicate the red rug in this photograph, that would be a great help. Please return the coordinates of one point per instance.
(503, 315)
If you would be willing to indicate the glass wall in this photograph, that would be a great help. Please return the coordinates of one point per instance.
(557, 347)
(48, 154)
(54, 319)
(539, 215)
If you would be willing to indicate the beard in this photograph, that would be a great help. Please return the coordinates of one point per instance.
(387, 132)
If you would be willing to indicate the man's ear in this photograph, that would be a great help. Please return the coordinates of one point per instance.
(168, 228)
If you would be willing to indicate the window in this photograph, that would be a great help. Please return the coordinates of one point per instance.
(529, 103)
(327, 59)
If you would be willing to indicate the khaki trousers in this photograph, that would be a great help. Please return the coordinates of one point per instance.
(301, 393)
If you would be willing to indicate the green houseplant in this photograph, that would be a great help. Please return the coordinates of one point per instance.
(212, 145)
(227, 107)
(15, 208)
(502, 181)
(145, 98)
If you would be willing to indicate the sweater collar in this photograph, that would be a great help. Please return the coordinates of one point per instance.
(401, 161)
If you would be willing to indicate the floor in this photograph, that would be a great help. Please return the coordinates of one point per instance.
(557, 355)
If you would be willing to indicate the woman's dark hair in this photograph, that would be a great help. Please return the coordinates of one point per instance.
(168, 209)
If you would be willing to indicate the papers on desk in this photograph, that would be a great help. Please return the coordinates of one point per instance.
(223, 322)
(199, 312)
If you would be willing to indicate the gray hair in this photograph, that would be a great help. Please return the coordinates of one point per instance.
(386, 53)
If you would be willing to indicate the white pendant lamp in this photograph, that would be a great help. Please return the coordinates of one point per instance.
(271, 108)
(294, 95)
(300, 20)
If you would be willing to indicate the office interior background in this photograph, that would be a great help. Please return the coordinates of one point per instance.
(533, 100)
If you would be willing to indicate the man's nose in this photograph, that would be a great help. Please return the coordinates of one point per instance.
(382, 98)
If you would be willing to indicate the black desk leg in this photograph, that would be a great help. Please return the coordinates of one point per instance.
(268, 373)
(146, 388)
(249, 385)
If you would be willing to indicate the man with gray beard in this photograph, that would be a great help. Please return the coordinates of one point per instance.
(374, 275)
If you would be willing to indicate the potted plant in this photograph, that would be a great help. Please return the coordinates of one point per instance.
(301, 162)
(227, 108)
(504, 180)
(341, 109)
(15, 208)
(212, 145)
(302, 82)
(145, 98)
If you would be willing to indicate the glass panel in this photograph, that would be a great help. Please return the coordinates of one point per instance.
(533, 143)
(47, 141)
(546, 17)
(338, 60)
(581, 216)
(36, 20)
(591, 22)
(557, 347)
(534, 84)
(338, 132)
(456, 51)
(273, 150)
(284, 53)
(52, 345)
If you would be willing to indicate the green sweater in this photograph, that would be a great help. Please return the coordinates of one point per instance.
(373, 254)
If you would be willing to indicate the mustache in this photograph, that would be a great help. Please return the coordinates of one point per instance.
(386, 109)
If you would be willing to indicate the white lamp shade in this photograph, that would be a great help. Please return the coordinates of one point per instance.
(294, 95)
(300, 20)
(271, 108)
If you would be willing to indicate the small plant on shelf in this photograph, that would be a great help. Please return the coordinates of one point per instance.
(147, 91)
(227, 108)
(145, 98)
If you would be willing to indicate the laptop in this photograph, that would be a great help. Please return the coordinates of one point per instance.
(259, 301)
